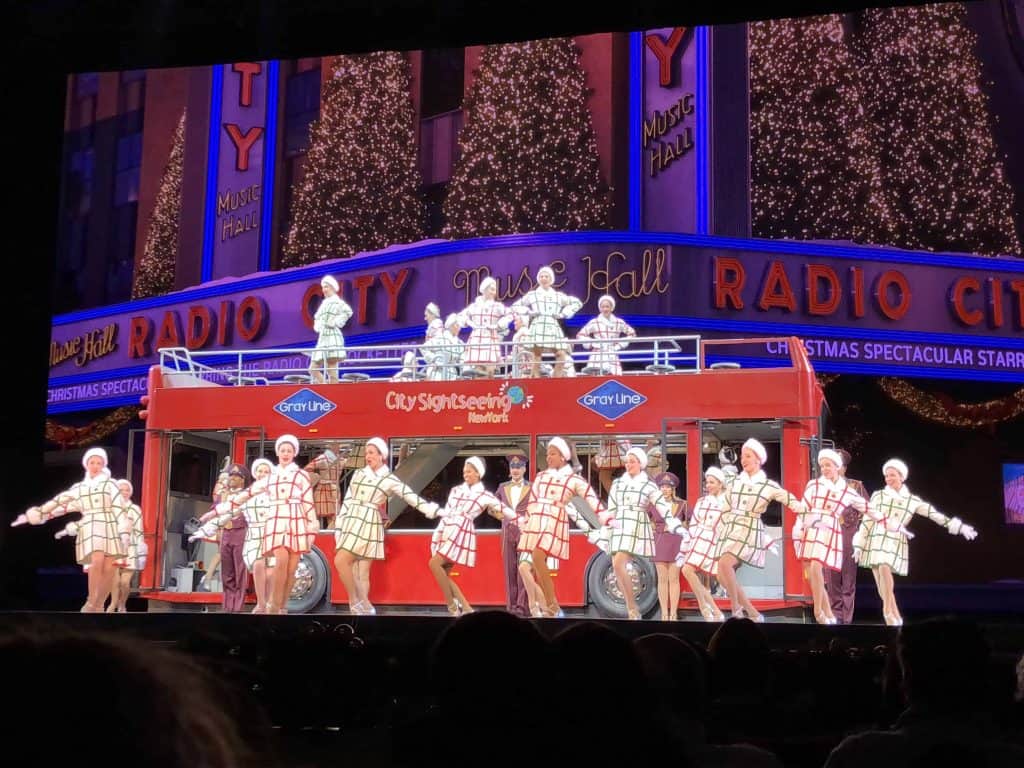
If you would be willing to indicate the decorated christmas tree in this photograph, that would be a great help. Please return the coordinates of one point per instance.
(361, 191)
(933, 130)
(529, 160)
(155, 273)
(814, 170)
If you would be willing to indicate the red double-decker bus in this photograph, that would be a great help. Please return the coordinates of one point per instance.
(685, 400)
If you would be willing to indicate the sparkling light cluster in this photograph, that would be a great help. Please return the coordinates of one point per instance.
(93, 432)
(361, 191)
(814, 168)
(943, 410)
(155, 272)
(883, 136)
(529, 159)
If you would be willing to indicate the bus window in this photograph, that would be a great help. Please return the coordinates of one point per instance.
(193, 470)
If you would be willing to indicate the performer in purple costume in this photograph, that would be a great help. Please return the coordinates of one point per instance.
(234, 575)
(842, 584)
(515, 493)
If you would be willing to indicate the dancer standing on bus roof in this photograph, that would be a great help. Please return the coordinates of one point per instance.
(330, 318)
(545, 306)
(103, 534)
(817, 534)
(549, 510)
(600, 332)
(742, 538)
(489, 320)
(359, 531)
(454, 539)
(882, 543)
(632, 534)
(666, 545)
(698, 554)
(135, 560)
(515, 494)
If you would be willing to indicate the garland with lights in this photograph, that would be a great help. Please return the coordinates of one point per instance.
(361, 190)
(528, 153)
(76, 437)
(941, 408)
(155, 274)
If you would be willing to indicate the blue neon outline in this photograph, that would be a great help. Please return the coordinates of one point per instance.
(636, 120)
(703, 137)
(269, 161)
(212, 171)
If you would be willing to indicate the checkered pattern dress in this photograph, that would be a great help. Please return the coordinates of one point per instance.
(822, 537)
(628, 501)
(257, 512)
(544, 307)
(548, 512)
(705, 527)
(358, 527)
(487, 318)
(605, 356)
(455, 536)
(103, 519)
(292, 521)
(330, 318)
(742, 533)
(442, 354)
(884, 543)
(132, 520)
(326, 493)
(612, 454)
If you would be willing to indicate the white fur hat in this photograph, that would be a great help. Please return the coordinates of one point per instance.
(899, 466)
(329, 280)
(259, 463)
(380, 445)
(478, 464)
(433, 309)
(758, 448)
(131, 488)
(94, 452)
(488, 282)
(641, 455)
(833, 456)
(452, 319)
(286, 439)
(716, 473)
(605, 298)
(562, 446)
(547, 269)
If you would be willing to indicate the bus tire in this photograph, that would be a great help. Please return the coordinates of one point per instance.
(603, 589)
(312, 582)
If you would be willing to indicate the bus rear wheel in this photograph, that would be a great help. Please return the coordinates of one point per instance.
(312, 579)
(604, 592)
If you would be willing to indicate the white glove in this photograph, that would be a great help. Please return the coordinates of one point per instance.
(224, 508)
(799, 507)
(582, 523)
(126, 540)
(509, 514)
(600, 538)
(798, 529)
(673, 524)
(605, 517)
(431, 510)
(71, 529)
(857, 555)
(968, 532)
(771, 545)
(258, 487)
(208, 531)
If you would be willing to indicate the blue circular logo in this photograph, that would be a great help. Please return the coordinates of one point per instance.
(516, 395)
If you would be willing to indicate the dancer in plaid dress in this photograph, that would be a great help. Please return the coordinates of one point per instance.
(544, 306)
(433, 341)
(326, 492)
(489, 320)
(103, 532)
(817, 533)
(882, 543)
(135, 560)
(443, 353)
(742, 538)
(698, 553)
(359, 531)
(632, 534)
(330, 318)
(605, 327)
(546, 531)
(454, 539)
(667, 544)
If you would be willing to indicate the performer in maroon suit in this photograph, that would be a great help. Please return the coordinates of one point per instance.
(234, 575)
(842, 584)
(515, 493)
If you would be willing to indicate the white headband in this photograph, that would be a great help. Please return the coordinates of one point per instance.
(488, 282)
(286, 439)
(899, 466)
(380, 445)
(549, 270)
(757, 448)
(833, 456)
(94, 452)
(260, 463)
(716, 473)
(605, 298)
(433, 309)
(329, 280)
(478, 463)
(562, 446)
(641, 455)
